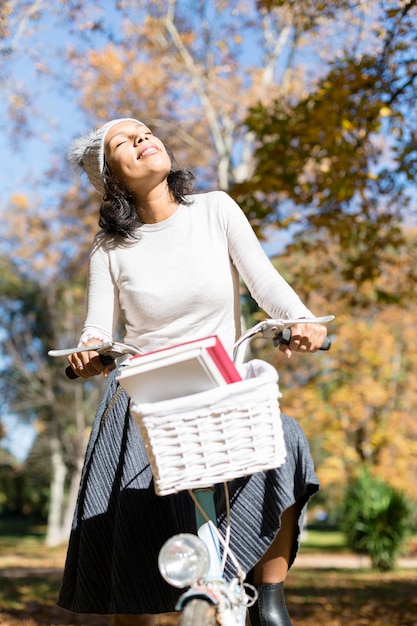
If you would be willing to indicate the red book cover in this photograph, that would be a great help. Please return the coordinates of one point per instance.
(224, 363)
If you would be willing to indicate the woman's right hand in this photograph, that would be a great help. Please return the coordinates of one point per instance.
(88, 363)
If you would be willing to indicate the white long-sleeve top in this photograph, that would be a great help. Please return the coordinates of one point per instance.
(179, 280)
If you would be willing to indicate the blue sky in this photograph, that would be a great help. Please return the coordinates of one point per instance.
(19, 438)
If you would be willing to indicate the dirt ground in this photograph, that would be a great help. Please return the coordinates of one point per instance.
(328, 590)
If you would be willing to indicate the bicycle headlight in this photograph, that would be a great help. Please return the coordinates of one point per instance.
(183, 560)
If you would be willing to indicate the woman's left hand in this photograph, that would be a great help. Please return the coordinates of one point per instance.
(304, 338)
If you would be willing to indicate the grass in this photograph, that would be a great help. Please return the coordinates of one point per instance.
(30, 575)
(22, 543)
(323, 541)
(30, 534)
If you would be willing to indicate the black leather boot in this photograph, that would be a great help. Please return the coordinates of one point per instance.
(270, 609)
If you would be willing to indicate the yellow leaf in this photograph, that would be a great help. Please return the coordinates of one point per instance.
(385, 111)
(20, 200)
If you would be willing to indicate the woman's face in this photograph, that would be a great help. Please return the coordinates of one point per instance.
(136, 157)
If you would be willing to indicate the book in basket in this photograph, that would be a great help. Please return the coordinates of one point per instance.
(181, 370)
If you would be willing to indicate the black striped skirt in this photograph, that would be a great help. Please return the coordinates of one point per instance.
(120, 523)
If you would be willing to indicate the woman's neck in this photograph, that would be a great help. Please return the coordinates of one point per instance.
(156, 207)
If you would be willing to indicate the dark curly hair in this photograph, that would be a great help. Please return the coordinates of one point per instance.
(118, 212)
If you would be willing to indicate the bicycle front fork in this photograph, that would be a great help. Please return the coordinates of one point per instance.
(192, 561)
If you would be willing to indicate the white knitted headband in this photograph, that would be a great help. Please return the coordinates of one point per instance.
(87, 152)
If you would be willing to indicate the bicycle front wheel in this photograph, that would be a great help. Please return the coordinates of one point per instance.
(198, 612)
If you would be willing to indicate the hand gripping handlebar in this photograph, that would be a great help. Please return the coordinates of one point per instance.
(108, 352)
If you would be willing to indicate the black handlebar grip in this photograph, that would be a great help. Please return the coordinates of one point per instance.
(69, 372)
(285, 338)
(327, 344)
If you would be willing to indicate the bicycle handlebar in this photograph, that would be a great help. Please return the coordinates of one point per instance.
(276, 329)
(279, 331)
(108, 352)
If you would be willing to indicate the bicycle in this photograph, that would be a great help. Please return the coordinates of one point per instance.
(196, 562)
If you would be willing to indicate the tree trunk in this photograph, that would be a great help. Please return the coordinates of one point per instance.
(54, 534)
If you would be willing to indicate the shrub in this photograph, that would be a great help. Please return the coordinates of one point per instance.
(376, 520)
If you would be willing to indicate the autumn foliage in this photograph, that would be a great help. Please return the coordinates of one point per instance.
(305, 112)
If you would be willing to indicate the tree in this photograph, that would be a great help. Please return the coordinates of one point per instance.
(227, 107)
(183, 57)
(351, 179)
(194, 51)
(356, 402)
(376, 520)
(35, 318)
(9, 472)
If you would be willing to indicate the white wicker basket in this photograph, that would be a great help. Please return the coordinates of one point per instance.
(214, 436)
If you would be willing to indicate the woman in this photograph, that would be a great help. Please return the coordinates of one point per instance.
(169, 262)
